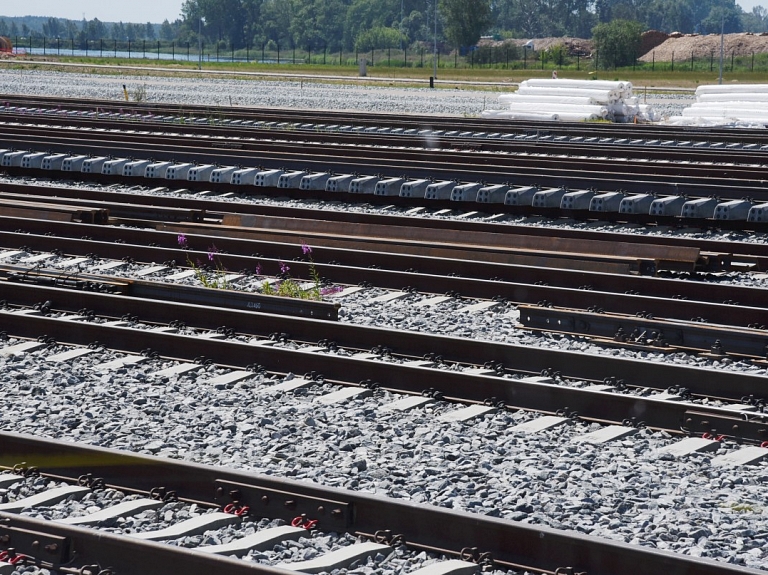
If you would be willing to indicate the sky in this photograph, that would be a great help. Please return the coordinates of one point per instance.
(142, 11)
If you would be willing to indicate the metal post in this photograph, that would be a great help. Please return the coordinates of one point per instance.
(371, 56)
(722, 46)
(143, 49)
(200, 43)
(278, 53)
(72, 47)
(101, 48)
(129, 48)
(115, 47)
(158, 49)
(86, 47)
(711, 60)
(43, 45)
(294, 54)
(262, 52)
(434, 56)
(673, 60)
(58, 46)
(173, 51)
(217, 51)
(691, 60)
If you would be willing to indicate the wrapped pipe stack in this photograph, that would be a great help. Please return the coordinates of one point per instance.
(572, 101)
(743, 105)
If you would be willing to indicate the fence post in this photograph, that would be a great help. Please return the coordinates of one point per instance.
(262, 52)
(158, 49)
(371, 55)
(691, 60)
(173, 50)
(422, 57)
(43, 45)
(673, 60)
(456, 59)
(58, 46)
(752, 69)
(294, 54)
(389, 57)
(731, 61)
(217, 51)
(187, 51)
(247, 53)
(542, 59)
(129, 48)
(711, 59)
(143, 49)
(506, 55)
(653, 65)
(115, 47)
(71, 48)
(405, 56)
(101, 48)
(578, 61)
(278, 53)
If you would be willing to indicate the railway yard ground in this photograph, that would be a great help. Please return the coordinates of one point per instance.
(511, 347)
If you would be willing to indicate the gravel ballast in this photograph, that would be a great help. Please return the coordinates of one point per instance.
(625, 490)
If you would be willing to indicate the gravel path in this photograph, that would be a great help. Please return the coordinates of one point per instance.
(625, 490)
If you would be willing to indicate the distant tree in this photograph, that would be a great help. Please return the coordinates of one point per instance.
(755, 21)
(378, 38)
(53, 28)
(725, 18)
(4, 29)
(118, 32)
(149, 31)
(465, 20)
(14, 30)
(617, 42)
(166, 31)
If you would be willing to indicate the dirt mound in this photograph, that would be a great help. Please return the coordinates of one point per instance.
(574, 46)
(650, 39)
(680, 47)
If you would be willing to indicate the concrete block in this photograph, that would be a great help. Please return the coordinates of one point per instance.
(114, 167)
(494, 194)
(222, 175)
(33, 161)
(735, 210)
(73, 163)
(339, 183)
(414, 189)
(607, 202)
(290, 179)
(520, 196)
(157, 169)
(314, 181)
(550, 198)
(701, 208)
(363, 185)
(465, 192)
(244, 177)
(636, 204)
(667, 206)
(578, 200)
(267, 178)
(53, 162)
(439, 190)
(178, 171)
(389, 187)
(200, 173)
(135, 168)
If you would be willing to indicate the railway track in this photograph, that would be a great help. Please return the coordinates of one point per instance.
(648, 179)
(376, 527)
(75, 297)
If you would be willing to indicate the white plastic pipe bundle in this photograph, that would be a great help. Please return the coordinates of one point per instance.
(524, 116)
(512, 98)
(731, 88)
(598, 111)
(725, 112)
(603, 96)
(739, 96)
(623, 88)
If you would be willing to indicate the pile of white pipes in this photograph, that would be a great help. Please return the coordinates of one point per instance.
(572, 101)
(727, 105)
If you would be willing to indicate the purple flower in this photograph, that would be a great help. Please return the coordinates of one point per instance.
(182, 239)
(258, 269)
(211, 251)
(305, 249)
(284, 269)
(210, 256)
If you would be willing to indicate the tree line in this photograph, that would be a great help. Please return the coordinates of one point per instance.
(333, 25)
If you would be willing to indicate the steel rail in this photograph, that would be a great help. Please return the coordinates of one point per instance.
(212, 208)
(489, 168)
(527, 164)
(669, 155)
(427, 283)
(715, 340)
(157, 303)
(372, 119)
(544, 396)
(510, 544)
